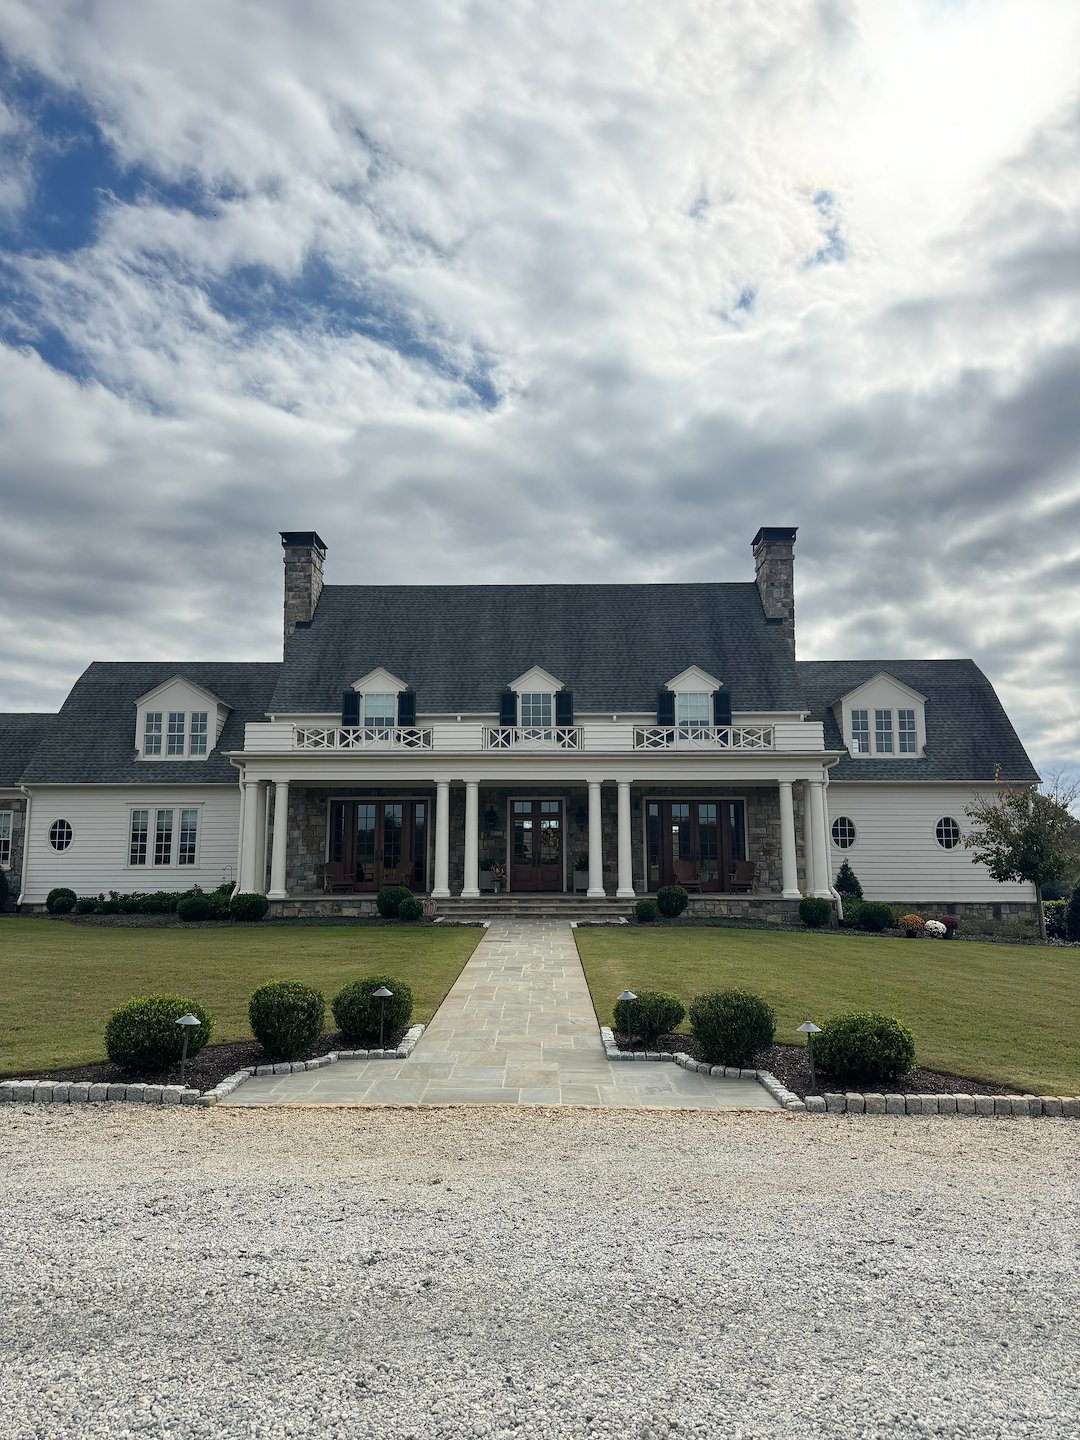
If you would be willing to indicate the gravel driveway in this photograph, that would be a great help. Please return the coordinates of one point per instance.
(500, 1272)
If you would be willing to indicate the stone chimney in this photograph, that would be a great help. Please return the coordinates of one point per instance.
(304, 555)
(774, 571)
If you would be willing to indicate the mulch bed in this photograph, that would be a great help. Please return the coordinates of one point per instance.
(791, 1067)
(211, 1065)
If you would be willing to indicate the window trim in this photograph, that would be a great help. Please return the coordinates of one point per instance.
(61, 849)
(165, 734)
(176, 810)
(682, 719)
(957, 843)
(7, 840)
(542, 696)
(380, 722)
(854, 833)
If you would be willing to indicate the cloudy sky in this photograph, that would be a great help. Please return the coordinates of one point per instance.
(522, 291)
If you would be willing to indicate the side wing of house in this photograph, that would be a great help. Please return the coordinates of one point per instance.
(20, 736)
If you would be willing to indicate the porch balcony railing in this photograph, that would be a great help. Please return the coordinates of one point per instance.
(533, 737)
(704, 737)
(376, 737)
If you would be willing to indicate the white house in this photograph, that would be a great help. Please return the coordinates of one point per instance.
(545, 739)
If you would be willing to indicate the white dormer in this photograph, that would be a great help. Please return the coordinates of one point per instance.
(379, 694)
(693, 689)
(536, 704)
(884, 719)
(178, 720)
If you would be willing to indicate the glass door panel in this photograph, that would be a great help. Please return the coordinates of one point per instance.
(379, 842)
(536, 857)
(708, 847)
(364, 870)
(693, 843)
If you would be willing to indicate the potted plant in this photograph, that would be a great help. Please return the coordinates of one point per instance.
(486, 881)
(912, 925)
(950, 922)
(581, 873)
(498, 876)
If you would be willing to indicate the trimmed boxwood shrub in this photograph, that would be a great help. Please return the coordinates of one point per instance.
(1072, 916)
(646, 910)
(194, 907)
(875, 916)
(672, 900)
(388, 901)
(653, 1013)
(248, 905)
(731, 1026)
(85, 905)
(143, 1034)
(111, 906)
(63, 905)
(864, 1048)
(814, 911)
(60, 893)
(411, 909)
(357, 1014)
(286, 1017)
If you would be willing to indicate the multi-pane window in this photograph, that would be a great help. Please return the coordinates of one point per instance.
(883, 731)
(860, 732)
(6, 817)
(163, 837)
(905, 731)
(199, 731)
(175, 837)
(380, 711)
(152, 733)
(947, 833)
(189, 824)
(140, 831)
(177, 720)
(535, 710)
(692, 707)
(843, 832)
(60, 834)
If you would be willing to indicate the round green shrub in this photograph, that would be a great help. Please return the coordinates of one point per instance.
(671, 900)
(159, 902)
(248, 905)
(63, 905)
(286, 1017)
(388, 901)
(194, 907)
(219, 905)
(876, 916)
(864, 1049)
(852, 911)
(814, 911)
(58, 894)
(85, 905)
(1072, 916)
(652, 1014)
(646, 910)
(357, 1013)
(847, 882)
(144, 1035)
(109, 907)
(411, 909)
(731, 1026)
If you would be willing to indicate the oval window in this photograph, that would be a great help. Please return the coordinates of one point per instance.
(843, 832)
(60, 834)
(947, 832)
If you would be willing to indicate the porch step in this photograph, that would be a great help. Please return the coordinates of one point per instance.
(537, 907)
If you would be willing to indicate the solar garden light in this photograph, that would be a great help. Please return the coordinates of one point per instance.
(628, 997)
(382, 994)
(809, 1029)
(187, 1021)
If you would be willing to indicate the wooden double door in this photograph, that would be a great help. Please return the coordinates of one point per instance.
(693, 841)
(380, 842)
(536, 845)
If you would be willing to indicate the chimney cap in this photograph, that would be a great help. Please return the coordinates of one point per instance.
(775, 535)
(309, 538)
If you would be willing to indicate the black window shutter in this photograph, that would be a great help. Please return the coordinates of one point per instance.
(508, 708)
(406, 708)
(665, 707)
(564, 707)
(350, 708)
(721, 707)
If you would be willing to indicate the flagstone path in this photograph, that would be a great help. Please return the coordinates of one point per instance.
(517, 1028)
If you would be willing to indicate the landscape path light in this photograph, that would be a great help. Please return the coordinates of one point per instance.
(187, 1021)
(809, 1029)
(627, 998)
(382, 994)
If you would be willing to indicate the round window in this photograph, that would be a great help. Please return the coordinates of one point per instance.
(60, 835)
(843, 832)
(947, 832)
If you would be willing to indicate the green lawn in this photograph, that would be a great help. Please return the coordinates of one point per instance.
(1007, 1013)
(59, 982)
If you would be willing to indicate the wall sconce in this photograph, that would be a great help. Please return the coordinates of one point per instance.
(491, 818)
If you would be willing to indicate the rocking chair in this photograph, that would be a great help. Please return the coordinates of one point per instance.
(744, 877)
(686, 875)
(335, 881)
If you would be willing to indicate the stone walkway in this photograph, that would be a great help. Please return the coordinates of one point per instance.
(517, 1028)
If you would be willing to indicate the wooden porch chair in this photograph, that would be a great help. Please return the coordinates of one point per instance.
(335, 880)
(744, 877)
(686, 875)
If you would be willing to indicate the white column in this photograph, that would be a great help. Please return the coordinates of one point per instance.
(239, 871)
(441, 889)
(626, 866)
(820, 886)
(249, 845)
(788, 866)
(281, 835)
(261, 816)
(471, 889)
(596, 846)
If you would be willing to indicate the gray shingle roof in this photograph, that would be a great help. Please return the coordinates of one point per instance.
(614, 646)
(21, 732)
(92, 739)
(968, 733)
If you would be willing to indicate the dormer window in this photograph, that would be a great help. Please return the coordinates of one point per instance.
(152, 733)
(380, 711)
(883, 717)
(378, 701)
(883, 732)
(174, 722)
(907, 732)
(692, 707)
(860, 732)
(536, 710)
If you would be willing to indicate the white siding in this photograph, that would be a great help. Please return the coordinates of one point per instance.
(896, 855)
(97, 859)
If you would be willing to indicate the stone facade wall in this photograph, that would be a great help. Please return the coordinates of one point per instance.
(774, 570)
(303, 583)
(308, 818)
(18, 840)
(978, 916)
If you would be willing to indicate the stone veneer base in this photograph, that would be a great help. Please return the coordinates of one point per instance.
(852, 1103)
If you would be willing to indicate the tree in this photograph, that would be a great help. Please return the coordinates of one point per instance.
(1025, 834)
(847, 882)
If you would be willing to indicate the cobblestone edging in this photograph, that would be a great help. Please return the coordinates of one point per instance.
(1060, 1106)
(71, 1092)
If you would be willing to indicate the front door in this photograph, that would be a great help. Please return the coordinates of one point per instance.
(694, 843)
(380, 842)
(536, 856)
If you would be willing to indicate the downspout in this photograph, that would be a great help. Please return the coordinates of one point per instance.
(240, 826)
(26, 846)
(837, 897)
